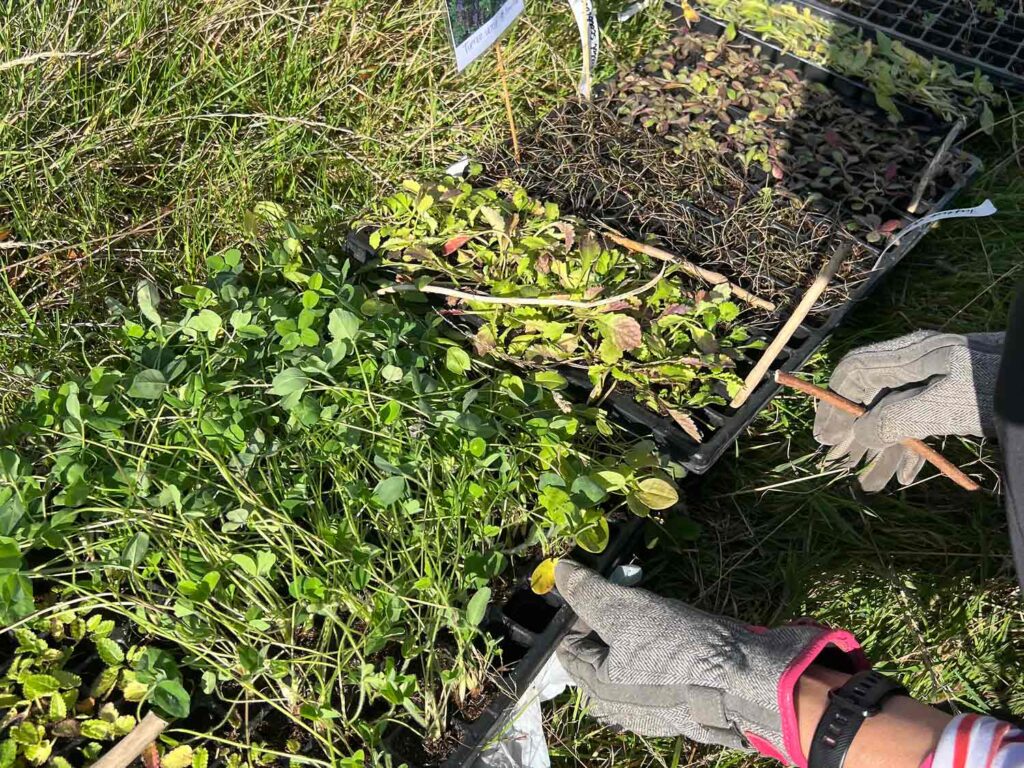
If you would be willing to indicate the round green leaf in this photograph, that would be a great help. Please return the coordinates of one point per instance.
(148, 385)
(655, 493)
(389, 490)
(289, 381)
(170, 698)
(343, 324)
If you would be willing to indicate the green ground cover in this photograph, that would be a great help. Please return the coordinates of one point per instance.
(137, 138)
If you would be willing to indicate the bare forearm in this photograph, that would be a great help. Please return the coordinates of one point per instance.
(902, 735)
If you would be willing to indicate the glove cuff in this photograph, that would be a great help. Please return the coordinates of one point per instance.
(790, 751)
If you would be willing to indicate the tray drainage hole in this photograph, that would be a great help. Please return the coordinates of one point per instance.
(530, 611)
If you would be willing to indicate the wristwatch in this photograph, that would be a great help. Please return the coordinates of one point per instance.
(861, 697)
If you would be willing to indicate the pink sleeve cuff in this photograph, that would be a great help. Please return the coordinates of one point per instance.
(841, 639)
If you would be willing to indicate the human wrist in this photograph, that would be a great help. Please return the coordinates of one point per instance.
(902, 735)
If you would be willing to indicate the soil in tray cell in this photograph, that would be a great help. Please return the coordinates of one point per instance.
(774, 128)
(687, 202)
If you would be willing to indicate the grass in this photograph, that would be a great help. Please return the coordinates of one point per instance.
(142, 143)
(153, 128)
(923, 576)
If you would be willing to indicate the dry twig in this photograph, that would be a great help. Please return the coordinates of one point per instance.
(799, 314)
(933, 457)
(693, 270)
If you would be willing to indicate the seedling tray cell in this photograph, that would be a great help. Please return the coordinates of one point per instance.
(529, 627)
(959, 32)
(852, 91)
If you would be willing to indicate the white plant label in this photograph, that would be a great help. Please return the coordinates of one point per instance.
(981, 211)
(590, 41)
(476, 25)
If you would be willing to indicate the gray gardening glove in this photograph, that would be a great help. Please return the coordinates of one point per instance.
(659, 667)
(926, 383)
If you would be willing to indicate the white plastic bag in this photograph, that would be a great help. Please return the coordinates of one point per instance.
(522, 744)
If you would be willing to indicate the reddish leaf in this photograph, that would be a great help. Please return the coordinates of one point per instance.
(676, 309)
(625, 332)
(568, 233)
(615, 306)
(686, 423)
(483, 341)
(593, 292)
(150, 756)
(543, 263)
(833, 138)
(890, 226)
(454, 244)
(890, 172)
(777, 173)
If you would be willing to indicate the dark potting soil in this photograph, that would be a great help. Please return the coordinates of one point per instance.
(701, 92)
(581, 156)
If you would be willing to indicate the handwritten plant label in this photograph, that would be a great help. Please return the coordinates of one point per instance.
(590, 40)
(475, 25)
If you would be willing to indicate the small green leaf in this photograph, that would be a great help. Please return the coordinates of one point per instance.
(58, 709)
(109, 651)
(389, 490)
(207, 321)
(10, 556)
(136, 550)
(97, 729)
(391, 373)
(343, 324)
(610, 480)
(594, 538)
(477, 606)
(148, 385)
(179, 757)
(288, 382)
(37, 686)
(171, 699)
(148, 298)
(457, 360)
(246, 563)
(550, 380)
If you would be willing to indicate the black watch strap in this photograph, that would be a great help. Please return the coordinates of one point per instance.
(849, 706)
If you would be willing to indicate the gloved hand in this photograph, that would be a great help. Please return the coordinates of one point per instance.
(926, 383)
(659, 667)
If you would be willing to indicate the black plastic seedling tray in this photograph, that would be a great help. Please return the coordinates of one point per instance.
(728, 423)
(853, 92)
(529, 627)
(954, 30)
(723, 424)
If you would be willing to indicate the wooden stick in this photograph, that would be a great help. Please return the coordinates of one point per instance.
(130, 747)
(933, 166)
(933, 457)
(521, 301)
(508, 100)
(707, 275)
(802, 309)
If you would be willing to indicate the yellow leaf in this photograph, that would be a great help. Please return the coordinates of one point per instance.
(180, 757)
(656, 493)
(543, 579)
(691, 16)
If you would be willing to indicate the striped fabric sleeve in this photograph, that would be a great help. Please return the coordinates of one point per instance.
(973, 741)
